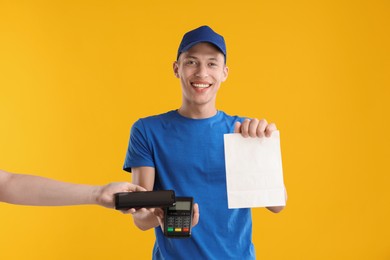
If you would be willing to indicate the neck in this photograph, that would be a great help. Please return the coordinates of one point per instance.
(197, 112)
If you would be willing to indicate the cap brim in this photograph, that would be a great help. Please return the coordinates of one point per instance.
(192, 44)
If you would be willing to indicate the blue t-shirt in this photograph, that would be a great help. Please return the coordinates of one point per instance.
(188, 157)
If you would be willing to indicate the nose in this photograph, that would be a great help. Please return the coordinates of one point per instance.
(202, 71)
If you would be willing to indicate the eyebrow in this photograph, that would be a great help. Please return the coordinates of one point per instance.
(193, 57)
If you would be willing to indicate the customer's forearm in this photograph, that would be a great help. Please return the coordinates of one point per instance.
(35, 190)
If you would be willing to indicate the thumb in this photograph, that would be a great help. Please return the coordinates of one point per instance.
(237, 127)
(135, 187)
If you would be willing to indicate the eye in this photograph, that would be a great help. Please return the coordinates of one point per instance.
(190, 62)
(212, 64)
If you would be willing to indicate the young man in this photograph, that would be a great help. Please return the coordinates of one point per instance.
(183, 150)
(33, 190)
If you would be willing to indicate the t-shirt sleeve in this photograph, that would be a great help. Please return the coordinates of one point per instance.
(139, 152)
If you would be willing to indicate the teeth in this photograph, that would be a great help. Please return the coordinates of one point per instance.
(201, 85)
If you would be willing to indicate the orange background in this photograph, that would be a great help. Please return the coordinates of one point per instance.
(75, 75)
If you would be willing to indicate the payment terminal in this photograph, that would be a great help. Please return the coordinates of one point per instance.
(178, 218)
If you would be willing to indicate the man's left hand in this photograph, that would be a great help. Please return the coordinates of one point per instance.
(254, 128)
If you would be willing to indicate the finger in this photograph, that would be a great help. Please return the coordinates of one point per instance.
(245, 127)
(129, 211)
(134, 187)
(261, 127)
(269, 129)
(237, 127)
(195, 218)
(252, 129)
(159, 213)
(143, 210)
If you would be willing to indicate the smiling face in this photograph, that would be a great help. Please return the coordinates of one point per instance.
(201, 71)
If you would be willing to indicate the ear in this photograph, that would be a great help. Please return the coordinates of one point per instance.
(225, 73)
(176, 69)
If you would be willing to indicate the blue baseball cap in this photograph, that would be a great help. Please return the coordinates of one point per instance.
(202, 34)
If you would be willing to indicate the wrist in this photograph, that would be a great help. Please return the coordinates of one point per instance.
(96, 195)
